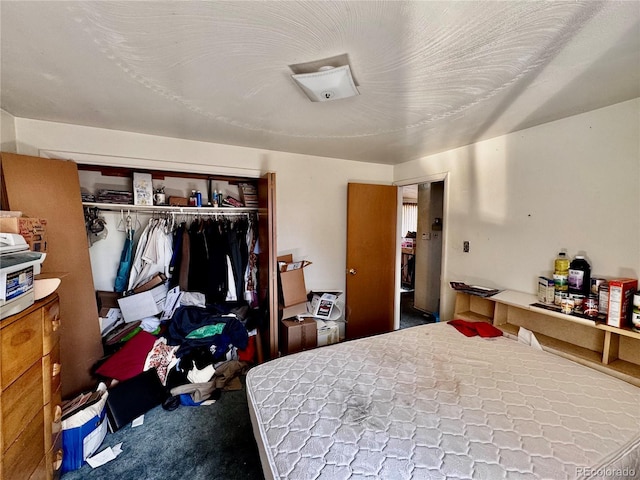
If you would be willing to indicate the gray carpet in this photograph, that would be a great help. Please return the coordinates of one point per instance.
(411, 316)
(197, 443)
(205, 442)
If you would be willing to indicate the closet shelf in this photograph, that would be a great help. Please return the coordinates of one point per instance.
(117, 207)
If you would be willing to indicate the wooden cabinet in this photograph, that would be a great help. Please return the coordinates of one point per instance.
(615, 351)
(30, 393)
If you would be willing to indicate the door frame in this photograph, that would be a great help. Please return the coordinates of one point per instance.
(437, 177)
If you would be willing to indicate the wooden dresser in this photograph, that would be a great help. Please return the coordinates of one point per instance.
(30, 393)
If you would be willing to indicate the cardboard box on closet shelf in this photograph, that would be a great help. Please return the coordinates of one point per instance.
(621, 291)
(296, 336)
(178, 201)
(294, 291)
(33, 230)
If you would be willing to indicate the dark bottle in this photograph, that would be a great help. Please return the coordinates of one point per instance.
(579, 276)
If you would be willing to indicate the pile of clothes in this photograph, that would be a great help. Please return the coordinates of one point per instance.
(197, 354)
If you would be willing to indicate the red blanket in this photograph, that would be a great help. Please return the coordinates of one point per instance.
(471, 329)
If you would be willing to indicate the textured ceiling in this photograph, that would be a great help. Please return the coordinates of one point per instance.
(432, 75)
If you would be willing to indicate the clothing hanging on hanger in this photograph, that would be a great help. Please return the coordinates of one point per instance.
(153, 253)
(251, 270)
(124, 267)
(212, 256)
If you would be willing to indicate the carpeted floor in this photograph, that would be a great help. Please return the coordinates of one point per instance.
(197, 443)
(411, 316)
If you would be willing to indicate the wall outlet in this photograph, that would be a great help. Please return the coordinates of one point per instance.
(465, 246)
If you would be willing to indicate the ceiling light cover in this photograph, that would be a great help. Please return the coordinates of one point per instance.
(327, 84)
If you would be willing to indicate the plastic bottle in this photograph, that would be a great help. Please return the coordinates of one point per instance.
(192, 199)
(561, 273)
(198, 198)
(579, 276)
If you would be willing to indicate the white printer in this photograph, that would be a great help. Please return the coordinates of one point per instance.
(18, 267)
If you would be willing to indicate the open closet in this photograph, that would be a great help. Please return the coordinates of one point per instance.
(111, 230)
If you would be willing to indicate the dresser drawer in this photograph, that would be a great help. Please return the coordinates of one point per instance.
(20, 404)
(25, 454)
(21, 347)
(50, 325)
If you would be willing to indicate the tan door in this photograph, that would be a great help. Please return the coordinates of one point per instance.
(371, 258)
(267, 267)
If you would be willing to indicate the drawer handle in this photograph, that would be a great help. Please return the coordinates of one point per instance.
(57, 462)
(57, 415)
(55, 369)
(55, 324)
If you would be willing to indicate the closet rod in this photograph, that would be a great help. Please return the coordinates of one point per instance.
(116, 207)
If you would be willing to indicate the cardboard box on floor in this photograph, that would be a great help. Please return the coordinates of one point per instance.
(294, 290)
(296, 336)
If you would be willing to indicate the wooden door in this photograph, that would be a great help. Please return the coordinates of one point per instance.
(267, 268)
(50, 189)
(371, 259)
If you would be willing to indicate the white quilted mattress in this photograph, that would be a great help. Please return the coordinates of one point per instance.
(429, 403)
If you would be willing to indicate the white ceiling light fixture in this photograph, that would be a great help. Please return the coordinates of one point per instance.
(324, 80)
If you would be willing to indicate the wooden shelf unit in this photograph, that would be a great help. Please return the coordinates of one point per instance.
(615, 351)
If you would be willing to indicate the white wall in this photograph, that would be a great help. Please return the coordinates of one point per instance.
(311, 192)
(7, 132)
(520, 198)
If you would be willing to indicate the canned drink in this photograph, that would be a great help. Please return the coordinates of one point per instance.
(591, 306)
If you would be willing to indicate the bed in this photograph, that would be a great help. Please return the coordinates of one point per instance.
(430, 403)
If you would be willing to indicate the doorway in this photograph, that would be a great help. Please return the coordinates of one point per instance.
(421, 252)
